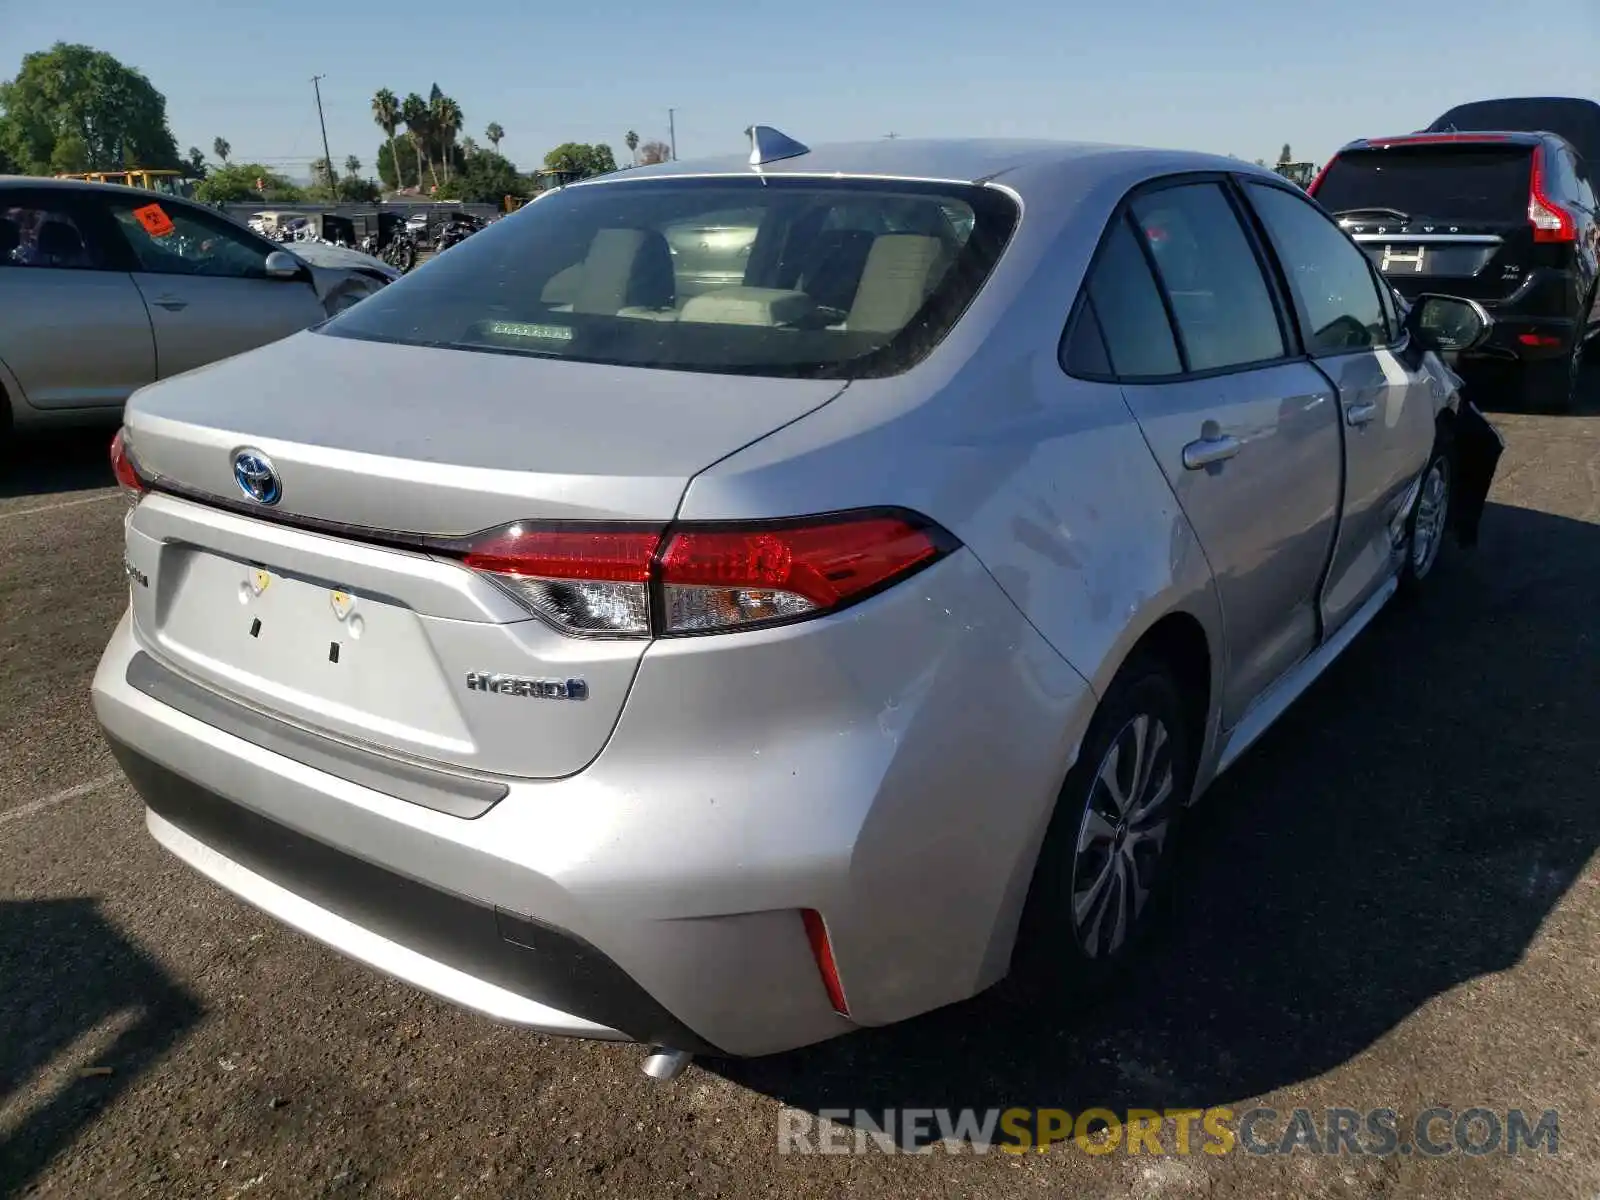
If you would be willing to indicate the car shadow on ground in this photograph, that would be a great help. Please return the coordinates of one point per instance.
(47, 464)
(1406, 827)
(85, 1013)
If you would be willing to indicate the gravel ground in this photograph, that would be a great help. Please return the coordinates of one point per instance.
(1393, 902)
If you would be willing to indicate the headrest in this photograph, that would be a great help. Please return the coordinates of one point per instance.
(57, 239)
(625, 268)
(750, 306)
(899, 273)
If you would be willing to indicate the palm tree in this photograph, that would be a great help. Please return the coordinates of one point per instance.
(450, 120)
(494, 133)
(352, 166)
(386, 114)
(414, 112)
(221, 149)
(631, 141)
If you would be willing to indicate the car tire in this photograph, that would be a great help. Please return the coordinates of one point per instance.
(1428, 526)
(1555, 386)
(1084, 922)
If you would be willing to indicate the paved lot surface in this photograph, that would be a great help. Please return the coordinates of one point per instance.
(1394, 902)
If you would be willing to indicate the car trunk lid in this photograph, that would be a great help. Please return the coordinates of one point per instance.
(346, 606)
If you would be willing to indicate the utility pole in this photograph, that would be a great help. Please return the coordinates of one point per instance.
(672, 131)
(327, 155)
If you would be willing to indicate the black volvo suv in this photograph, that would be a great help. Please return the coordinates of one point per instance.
(1506, 218)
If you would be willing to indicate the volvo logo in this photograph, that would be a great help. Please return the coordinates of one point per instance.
(254, 473)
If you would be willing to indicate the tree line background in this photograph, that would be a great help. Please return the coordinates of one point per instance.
(73, 109)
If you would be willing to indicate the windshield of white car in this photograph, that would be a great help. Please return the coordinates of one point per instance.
(814, 278)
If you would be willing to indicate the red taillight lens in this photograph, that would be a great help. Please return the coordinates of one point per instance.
(1551, 222)
(124, 468)
(601, 582)
(727, 579)
(593, 582)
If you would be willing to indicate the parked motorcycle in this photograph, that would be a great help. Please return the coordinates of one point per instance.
(457, 228)
(400, 253)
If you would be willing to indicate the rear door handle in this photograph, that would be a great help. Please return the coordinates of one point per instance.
(1206, 451)
(172, 303)
(1361, 414)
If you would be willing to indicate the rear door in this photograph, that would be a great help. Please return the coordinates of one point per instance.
(205, 283)
(1439, 216)
(1385, 396)
(73, 328)
(1246, 434)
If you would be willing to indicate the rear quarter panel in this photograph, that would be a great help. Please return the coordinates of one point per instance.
(1047, 479)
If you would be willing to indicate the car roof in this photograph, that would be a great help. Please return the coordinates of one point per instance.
(975, 160)
(77, 185)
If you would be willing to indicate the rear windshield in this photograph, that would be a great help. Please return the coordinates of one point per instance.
(808, 278)
(1458, 183)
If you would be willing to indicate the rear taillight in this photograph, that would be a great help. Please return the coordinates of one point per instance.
(125, 468)
(724, 579)
(611, 582)
(582, 581)
(1551, 222)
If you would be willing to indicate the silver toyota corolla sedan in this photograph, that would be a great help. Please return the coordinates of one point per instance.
(728, 665)
(104, 289)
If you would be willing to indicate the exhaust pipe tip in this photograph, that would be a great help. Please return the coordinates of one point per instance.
(663, 1063)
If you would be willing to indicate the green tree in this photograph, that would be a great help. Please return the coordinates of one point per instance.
(76, 91)
(654, 152)
(1285, 155)
(402, 152)
(322, 175)
(494, 133)
(581, 159)
(221, 149)
(352, 166)
(386, 115)
(484, 178)
(446, 119)
(69, 156)
(195, 163)
(236, 182)
(631, 141)
(414, 112)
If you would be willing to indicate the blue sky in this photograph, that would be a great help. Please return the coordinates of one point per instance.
(1232, 76)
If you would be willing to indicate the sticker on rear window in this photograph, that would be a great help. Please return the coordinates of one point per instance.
(155, 220)
(518, 329)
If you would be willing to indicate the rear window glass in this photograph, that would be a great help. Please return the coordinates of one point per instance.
(1458, 183)
(809, 278)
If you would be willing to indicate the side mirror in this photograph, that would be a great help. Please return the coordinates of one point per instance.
(282, 265)
(1448, 324)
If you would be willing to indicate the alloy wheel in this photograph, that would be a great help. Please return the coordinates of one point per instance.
(1122, 836)
(1433, 508)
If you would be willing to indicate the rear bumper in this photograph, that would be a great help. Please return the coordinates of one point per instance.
(845, 765)
(466, 950)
